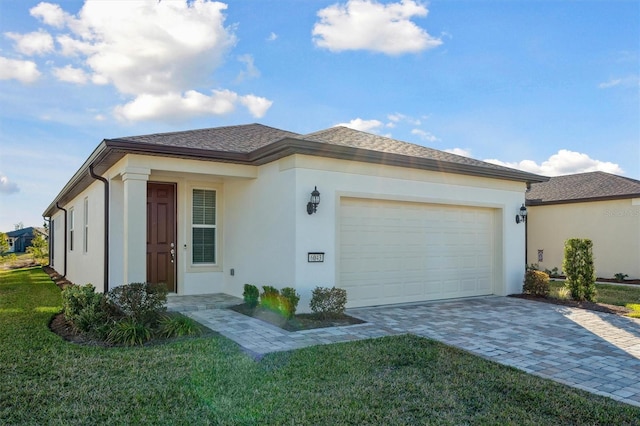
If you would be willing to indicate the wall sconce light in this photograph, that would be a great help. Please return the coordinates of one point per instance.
(522, 217)
(312, 205)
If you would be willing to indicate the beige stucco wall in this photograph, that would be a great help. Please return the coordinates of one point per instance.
(613, 226)
(265, 232)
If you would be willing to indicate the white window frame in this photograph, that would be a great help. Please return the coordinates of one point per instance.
(85, 228)
(205, 267)
(72, 219)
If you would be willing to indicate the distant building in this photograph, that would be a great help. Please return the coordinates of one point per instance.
(20, 239)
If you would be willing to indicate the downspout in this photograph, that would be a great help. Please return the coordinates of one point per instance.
(65, 238)
(105, 287)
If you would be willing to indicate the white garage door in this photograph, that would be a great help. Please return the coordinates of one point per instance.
(397, 252)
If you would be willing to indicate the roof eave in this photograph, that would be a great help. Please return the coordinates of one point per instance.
(538, 202)
(289, 146)
(101, 159)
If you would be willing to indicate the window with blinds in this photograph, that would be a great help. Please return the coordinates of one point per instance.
(203, 226)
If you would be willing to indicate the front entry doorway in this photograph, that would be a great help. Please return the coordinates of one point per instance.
(161, 234)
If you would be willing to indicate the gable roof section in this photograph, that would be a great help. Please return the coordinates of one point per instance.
(256, 144)
(441, 160)
(238, 139)
(582, 187)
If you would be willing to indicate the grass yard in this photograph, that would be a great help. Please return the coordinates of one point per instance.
(621, 295)
(207, 380)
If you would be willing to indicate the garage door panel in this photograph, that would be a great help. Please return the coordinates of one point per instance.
(393, 252)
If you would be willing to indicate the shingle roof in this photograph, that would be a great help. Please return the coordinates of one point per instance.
(256, 144)
(242, 139)
(592, 186)
(344, 136)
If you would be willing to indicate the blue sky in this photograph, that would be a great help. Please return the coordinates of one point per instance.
(551, 87)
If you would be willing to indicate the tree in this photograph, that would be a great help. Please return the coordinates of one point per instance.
(38, 249)
(4, 243)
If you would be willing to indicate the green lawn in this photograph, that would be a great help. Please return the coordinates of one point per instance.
(207, 380)
(621, 295)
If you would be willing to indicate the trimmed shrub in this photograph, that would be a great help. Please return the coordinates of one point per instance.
(289, 301)
(251, 295)
(270, 298)
(536, 283)
(579, 268)
(328, 302)
(142, 302)
(84, 308)
(177, 326)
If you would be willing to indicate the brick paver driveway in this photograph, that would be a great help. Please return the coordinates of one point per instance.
(593, 351)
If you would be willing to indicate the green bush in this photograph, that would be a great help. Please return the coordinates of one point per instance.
(270, 298)
(141, 301)
(289, 301)
(620, 277)
(251, 295)
(129, 331)
(328, 302)
(84, 308)
(579, 268)
(177, 326)
(536, 283)
(553, 273)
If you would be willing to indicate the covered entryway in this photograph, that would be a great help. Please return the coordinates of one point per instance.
(397, 252)
(161, 234)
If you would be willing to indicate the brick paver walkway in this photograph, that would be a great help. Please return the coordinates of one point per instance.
(594, 351)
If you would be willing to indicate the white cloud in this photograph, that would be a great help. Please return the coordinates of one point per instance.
(565, 162)
(397, 118)
(459, 151)
(256, 105)
(251, 71)
(35, 43)
(71, 75)
(631, 81)
(50, 14)
(425, 136)
(154, 53)
(24, 71)
(6, 186)
(363, 125)
(272, 37)
(369, 25)
(176, 106)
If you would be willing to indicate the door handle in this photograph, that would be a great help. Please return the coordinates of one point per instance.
(173, 254)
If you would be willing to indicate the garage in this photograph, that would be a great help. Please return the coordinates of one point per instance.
(398, 252)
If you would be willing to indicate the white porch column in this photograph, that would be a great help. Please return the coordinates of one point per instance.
(135, 224)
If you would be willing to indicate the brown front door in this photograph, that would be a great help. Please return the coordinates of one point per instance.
(161, 234)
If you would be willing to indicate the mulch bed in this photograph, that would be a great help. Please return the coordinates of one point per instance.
(599, 307)
(298, 322)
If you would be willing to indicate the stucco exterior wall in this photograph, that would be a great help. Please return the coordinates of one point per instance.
(264, 231)
(339, 178)
(613, 226)
(83, 267)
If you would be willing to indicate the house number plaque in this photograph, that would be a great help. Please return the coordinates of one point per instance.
(315, 257)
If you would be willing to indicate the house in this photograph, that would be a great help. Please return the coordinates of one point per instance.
(206, 211)
(600, 206)
(20, 239)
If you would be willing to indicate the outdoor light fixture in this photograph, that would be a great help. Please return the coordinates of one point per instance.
(312, 205)
(522, 217)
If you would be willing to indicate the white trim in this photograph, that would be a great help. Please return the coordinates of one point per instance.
(204, 267)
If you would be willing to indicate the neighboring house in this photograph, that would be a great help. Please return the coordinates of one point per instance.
(207, 211)
(20, 239)
(600, 206)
